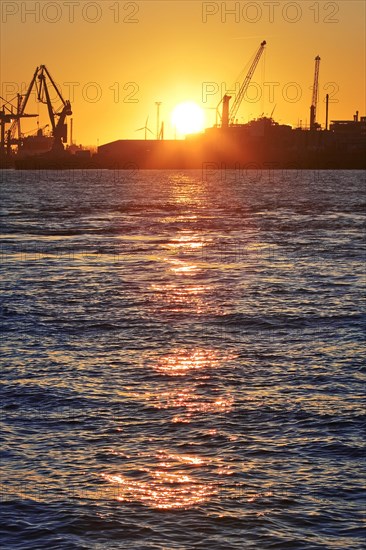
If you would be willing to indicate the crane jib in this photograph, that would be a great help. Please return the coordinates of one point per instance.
(239, 97)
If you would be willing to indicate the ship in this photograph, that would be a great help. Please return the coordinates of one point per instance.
(260, 144)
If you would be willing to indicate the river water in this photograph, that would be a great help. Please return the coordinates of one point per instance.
(182, 363)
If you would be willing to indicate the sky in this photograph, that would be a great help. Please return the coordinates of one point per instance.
(114, 59)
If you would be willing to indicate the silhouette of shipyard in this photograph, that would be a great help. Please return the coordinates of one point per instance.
(261, 143)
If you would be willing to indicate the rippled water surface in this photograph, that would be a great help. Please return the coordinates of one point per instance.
(182, 362)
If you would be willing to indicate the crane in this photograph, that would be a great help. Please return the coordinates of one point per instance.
(59, 128)
(313, 124)
(9, 114)
(229, 115)
(41, 81)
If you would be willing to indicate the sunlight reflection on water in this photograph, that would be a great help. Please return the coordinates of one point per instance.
(162, 487)
(187, 345)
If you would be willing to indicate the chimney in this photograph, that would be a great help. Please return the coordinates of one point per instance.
(71, 130)
(225, 111)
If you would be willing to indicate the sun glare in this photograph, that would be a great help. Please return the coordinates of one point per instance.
(188, 118)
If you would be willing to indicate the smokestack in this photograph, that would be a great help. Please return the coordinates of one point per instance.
(312, 117)
(71, 129)
(225, 111)
(326, 110)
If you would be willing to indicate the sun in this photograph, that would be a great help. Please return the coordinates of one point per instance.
(188, 118)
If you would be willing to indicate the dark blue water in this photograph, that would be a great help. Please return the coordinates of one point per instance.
(182, 360)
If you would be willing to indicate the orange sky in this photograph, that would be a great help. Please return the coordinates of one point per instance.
(167, 50)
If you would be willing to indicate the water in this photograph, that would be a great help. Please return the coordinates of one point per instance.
(182, 360)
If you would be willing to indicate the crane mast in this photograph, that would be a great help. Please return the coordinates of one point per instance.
(313, 124)
(230, 115)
